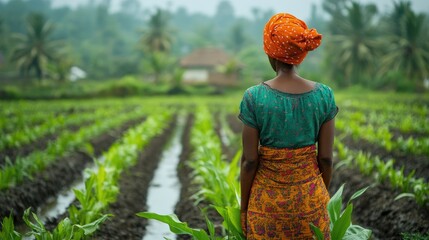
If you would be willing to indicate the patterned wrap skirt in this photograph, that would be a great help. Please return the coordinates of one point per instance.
(287, 195)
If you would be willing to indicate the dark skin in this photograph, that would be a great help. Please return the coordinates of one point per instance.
(287, 80)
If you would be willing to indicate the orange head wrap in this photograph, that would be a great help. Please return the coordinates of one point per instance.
(288, 39)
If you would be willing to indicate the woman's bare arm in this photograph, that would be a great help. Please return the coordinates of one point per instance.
(324, 151)
(249, 163)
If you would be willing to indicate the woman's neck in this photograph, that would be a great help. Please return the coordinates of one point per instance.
(287, 74)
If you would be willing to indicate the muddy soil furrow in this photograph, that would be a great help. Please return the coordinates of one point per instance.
(410, 162)
(227, 151)
(397, 133)
(57, 176)
(234, 123)
(376, 209)
(133, 186)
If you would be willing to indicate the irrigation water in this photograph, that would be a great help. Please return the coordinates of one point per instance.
(58, 205)
(164, 190)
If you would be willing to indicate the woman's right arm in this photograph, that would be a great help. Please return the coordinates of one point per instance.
(325, 149)
(249, 163)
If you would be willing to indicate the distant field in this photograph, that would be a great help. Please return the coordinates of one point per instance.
(382, 141)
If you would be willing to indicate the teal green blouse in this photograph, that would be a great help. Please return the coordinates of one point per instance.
(286, 120)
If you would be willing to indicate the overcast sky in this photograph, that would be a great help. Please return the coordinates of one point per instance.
(300, 8)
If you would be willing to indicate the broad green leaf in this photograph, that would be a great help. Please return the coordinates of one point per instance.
(88, 148)
(176, 226)
(39, 222)
(80, 196)
(210, 225)
(355, 232)
(8, 230)
(64, 230)
(317, 232)
(234, 165)
(92, 227)
(35, 227)
(235, 217)
(402, 195)
(335, 205)
(357, 194)
(342, 223)
(235, 191)
(38, 230)
(223, 212)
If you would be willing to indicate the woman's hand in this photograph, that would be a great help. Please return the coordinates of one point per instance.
(243, 219)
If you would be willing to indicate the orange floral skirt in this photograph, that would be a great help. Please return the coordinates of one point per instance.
(287, 195)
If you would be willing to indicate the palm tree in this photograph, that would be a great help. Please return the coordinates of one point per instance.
(408, 51)
(156, 43)
(336, 9)
(2, 33)
(3, 42)
(158, 36)
(353, 48)
(34, 49)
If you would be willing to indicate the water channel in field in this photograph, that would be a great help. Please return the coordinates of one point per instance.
(58, 205)
(164, 190)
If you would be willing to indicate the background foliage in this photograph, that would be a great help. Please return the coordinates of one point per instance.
(363, 45)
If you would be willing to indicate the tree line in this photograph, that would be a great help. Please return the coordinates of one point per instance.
(377, 49)
(361, 44)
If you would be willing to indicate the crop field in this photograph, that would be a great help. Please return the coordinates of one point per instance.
(89, 169)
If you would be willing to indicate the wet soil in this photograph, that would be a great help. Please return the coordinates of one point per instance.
(234, 123)
(397, 133)
(134, 185)
(56, 177)
(376, 208)
(227, 151)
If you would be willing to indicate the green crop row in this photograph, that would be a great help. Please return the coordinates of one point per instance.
(24, 108)
(387, 105)
(12, 174)
(381, 135)
(218, 179)
(405, 123)
(101, 187)
(15, 116)
(31, 133)
(382, 171)
(10, 124)
(18, 111)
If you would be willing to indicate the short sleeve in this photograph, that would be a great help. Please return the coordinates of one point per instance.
(247, 110)
(332, 106)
